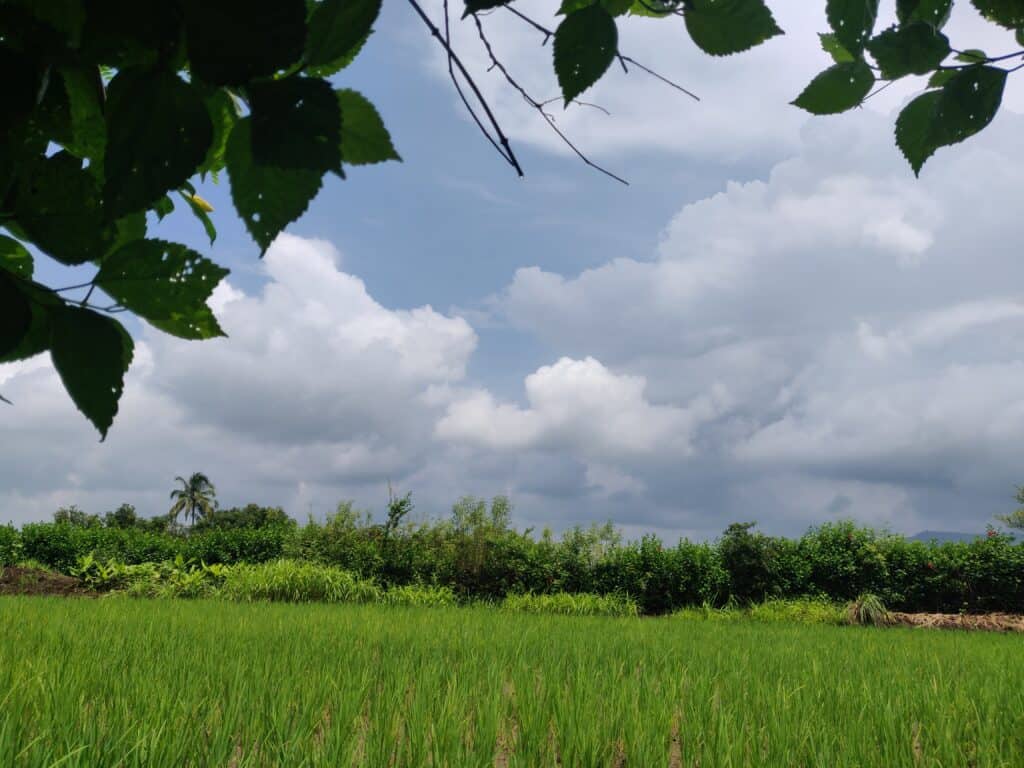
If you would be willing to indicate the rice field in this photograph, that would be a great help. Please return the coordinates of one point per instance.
(123, 682)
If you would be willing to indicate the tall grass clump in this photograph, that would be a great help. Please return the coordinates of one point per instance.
(572, 604)
(804, 611)
(869, 611)
(421, 596)
(296, 582)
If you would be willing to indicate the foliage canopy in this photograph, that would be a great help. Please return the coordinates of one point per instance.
(113, 108)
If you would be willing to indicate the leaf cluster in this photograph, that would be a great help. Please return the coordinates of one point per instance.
(113, 109)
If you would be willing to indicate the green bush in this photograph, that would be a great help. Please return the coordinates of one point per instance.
(296, 582)
(572, 604)
(803, 611)
(10, 545)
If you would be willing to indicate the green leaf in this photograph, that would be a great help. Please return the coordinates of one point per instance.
(364, 139)
(15, 258)
(837, 89)
(334, 67)
(165, 283)
(474, 6)
(913, 129)
(585, 46)
(201, 214)
(223, 111)
(935, 12)
(852, 21)
(965, 105)
(37, 338)
(296, 124)
(88, 127)
(58, 207)
(830, 44)
(91, 352)
(64, 16)
(15, 313)
(336, 27)
(129, 228)
(940, 77)
(972, 56)
(721, 27)
(158, 132)
(230, 42)
(614, 7)
(1019, 36)
(914, 49)
(268, 199)
(163, 207)
(1008, 13)
(652, 9)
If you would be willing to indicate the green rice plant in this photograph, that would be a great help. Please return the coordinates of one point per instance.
(869, 611)
(296, 582)
(572, 604)
(708, 612)
(421, 595)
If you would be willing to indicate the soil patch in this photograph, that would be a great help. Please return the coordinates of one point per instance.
(32, 581)
(992, 622)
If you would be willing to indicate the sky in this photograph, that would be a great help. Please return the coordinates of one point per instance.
(774, 321)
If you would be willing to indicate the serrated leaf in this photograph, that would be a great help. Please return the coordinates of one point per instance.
(268, 199)
(163, 207)
(334, 67)
(585, 46)
(37, 338)
(614, 7)
(92, 353)
(15, 258)
(830, 44)
(972, 56)
(837, 89)
(58, 207)
(1008, 13)
(336, 27)
(201, 209)
(935, 12)
(722, 27)
(913, 128)
(965, 105)
(852, 21)
(158, 132)
(474, 6)
(88, 126)
(364, 139)
(15, 313)
(913, 49)
(296, 124)
(230, 42)
(165, 283)
(129, 228)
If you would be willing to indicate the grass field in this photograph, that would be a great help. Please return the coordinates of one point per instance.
(121, 682)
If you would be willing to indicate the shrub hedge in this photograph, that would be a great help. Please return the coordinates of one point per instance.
(481, 557)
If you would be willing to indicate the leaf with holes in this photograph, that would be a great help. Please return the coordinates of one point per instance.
(935, 12)
(830, 44)
(913, 128)
(336, 27)
(165, 283)
(585, 46)
(58, 207)
(914, 49)
(158, 132)
(268, 199)
(364, 139)
(852, 21)
(231, 42)
(296, 124)
(722, 27)
(92, 353)
(15, 258)
(1008, 13)
(88, 128)
(837, 89)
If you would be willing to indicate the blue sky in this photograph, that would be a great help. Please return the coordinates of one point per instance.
(774, 321)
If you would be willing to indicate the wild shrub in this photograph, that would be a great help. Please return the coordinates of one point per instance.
(803, 611)
(868, 611)
(572, 604)
(10, 545)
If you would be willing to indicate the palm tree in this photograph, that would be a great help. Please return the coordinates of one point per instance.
(197, 498)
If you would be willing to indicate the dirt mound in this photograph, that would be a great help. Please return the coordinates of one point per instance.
(992, 622)
(32, 581)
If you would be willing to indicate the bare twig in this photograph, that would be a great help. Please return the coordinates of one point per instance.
(501, 143)
(661, 77)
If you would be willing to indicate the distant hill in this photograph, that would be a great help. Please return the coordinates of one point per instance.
(944, 536)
